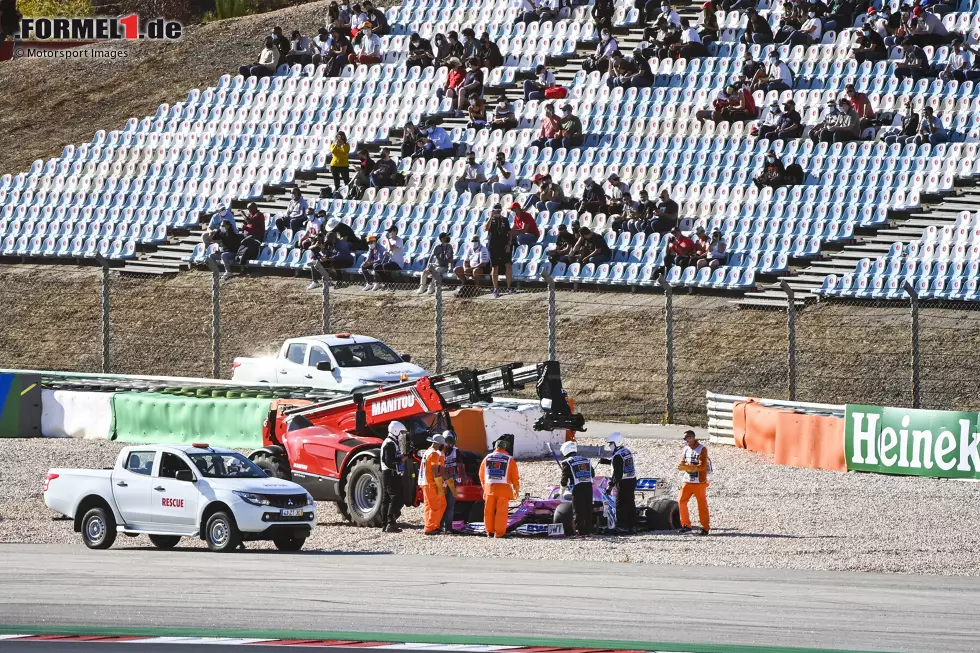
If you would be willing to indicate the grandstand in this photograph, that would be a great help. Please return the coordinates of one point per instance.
(868, 217)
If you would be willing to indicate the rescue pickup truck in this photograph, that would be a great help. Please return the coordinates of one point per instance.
(342, 362)
(170, 492)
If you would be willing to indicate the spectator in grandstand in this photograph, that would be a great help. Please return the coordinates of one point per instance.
(410, 139)
(445, 48)
(472, 177)
(768, 124)
(773, 174)
(973, 72)
(829, 120)
(214, 225)
(810, 32)
(338, 16)
(392, 258)
(281, 43)
(488, 52)
(476, 262)
(500, 176)
(549, 196)
(757, 32)
(701, 241)
(626, 72)
(847, 127)
(616, 193)
(420, 53)
(600, 59)
(527, 11)
(736, 105)
(543, 80)
(503, 115)
(266, 64)
(593, 197)
(525, 230)
(294, 216)
(665, 214)
(716, 254)
(915, 63)
(339, 166)
(550, 128)
(337, 226)
(570, 130)
(564, 242)
(689, 46)
(315, 234)
(667, 12)
(792, 19)
(254, 230)
(454, 78)
(472, 85)
(476, 113)
(593, 248)
(869, 46)
(749, 65)
(775, 76)
(908, 128)
(602, 14)
(928, 29)
(957, 65)
(861, 104)
(368, 49)
(500, 240)
(469, 43)
(338, 52)
(440, 260)
(375, 256)
(228, 240)
(299, 50)
(377, 18)
(335, 255)
(436, 142)
(680, 250)
(788, 125)
(385, 171)
(930, 129)
(708, 23)
(320, 46)
(548, 10)
(357, 20)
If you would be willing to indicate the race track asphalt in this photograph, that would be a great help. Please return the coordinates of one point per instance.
(67, 585)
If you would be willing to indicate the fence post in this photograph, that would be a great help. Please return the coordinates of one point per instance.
(669, 348)
(104, 314)
(914, 328)
(212, 262)
(552, 320)
(437, 280)
(791, 337)
(325, 280)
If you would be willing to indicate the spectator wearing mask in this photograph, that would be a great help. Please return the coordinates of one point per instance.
(772, 174)
(681, 249)
(847, 127)
(488, 52)
(299, 50)
(444, 50)
(908, 128)
(667, 12)
(339, 16)
(471, 46)
(593, 197)
(377, 18)
(915, 63)
(861, 104)
(472, 85)
(757, 32)
(957, 65)
(716, 253)
(768, 124)
(295, 215)
(534, 88)
(392, 257)
(320, 47)
(550, 129)
(357, 20)
(385, 172)
(214, 225)
(420, 53)
(625, 72)
(616, 191)
(525, 230)
(501, 245)
(749, 65)
(472, 177)
(809, 34)
(375, 256)
(928, 29)
(503, 116)
(338, 54)
(339, 166)
(665, 214)
(476, 262)
(564, 242)
(776, 76)
(410, 139)
(500, 176)
(476, 113)
(281, 42)
(600, 59)
(228, 240)
(266, 64)
(254, 230)
(570, 129)
(870, 46)
(593, 248)
(788, 125)
(440, 260)
(368, 49)
(455, 77)
(437, 143)
(336, 255)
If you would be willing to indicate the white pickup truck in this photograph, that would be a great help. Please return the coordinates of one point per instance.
(170, 492)
(341, 361)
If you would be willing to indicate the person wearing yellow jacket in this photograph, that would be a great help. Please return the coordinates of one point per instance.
(432, 480)
(501, 483)
(696, 466)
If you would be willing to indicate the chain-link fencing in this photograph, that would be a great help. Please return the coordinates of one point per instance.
(949, 355)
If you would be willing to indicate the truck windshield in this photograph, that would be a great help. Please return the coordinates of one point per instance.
(364, 354)
(225, 465)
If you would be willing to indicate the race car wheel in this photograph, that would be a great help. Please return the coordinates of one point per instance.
(663, 515)
(278, 465)
(165, 541)
(289, 543)
(476, 511)
(221, 533)
(98, 529)
(565, 515)
(363, 493)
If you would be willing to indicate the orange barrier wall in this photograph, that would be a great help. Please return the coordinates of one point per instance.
(471, 435)
(754, 426)
(812, 441)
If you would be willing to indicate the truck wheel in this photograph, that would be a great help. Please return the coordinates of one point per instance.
(98, 529)
(165, 541)
(289, 543)
(278, 465)
(221, 533)
(363, 493)
(565, 515)
(663, 515)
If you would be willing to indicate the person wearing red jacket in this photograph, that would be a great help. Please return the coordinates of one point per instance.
(254, 230)
(525, 229)
(680, 249)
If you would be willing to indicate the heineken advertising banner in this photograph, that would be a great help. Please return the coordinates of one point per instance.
(935, 443)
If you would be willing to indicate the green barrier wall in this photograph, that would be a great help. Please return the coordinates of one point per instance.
(155, 418)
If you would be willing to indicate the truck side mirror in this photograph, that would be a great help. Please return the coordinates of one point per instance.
(407, 358)
(324, 366)
(185, 475)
